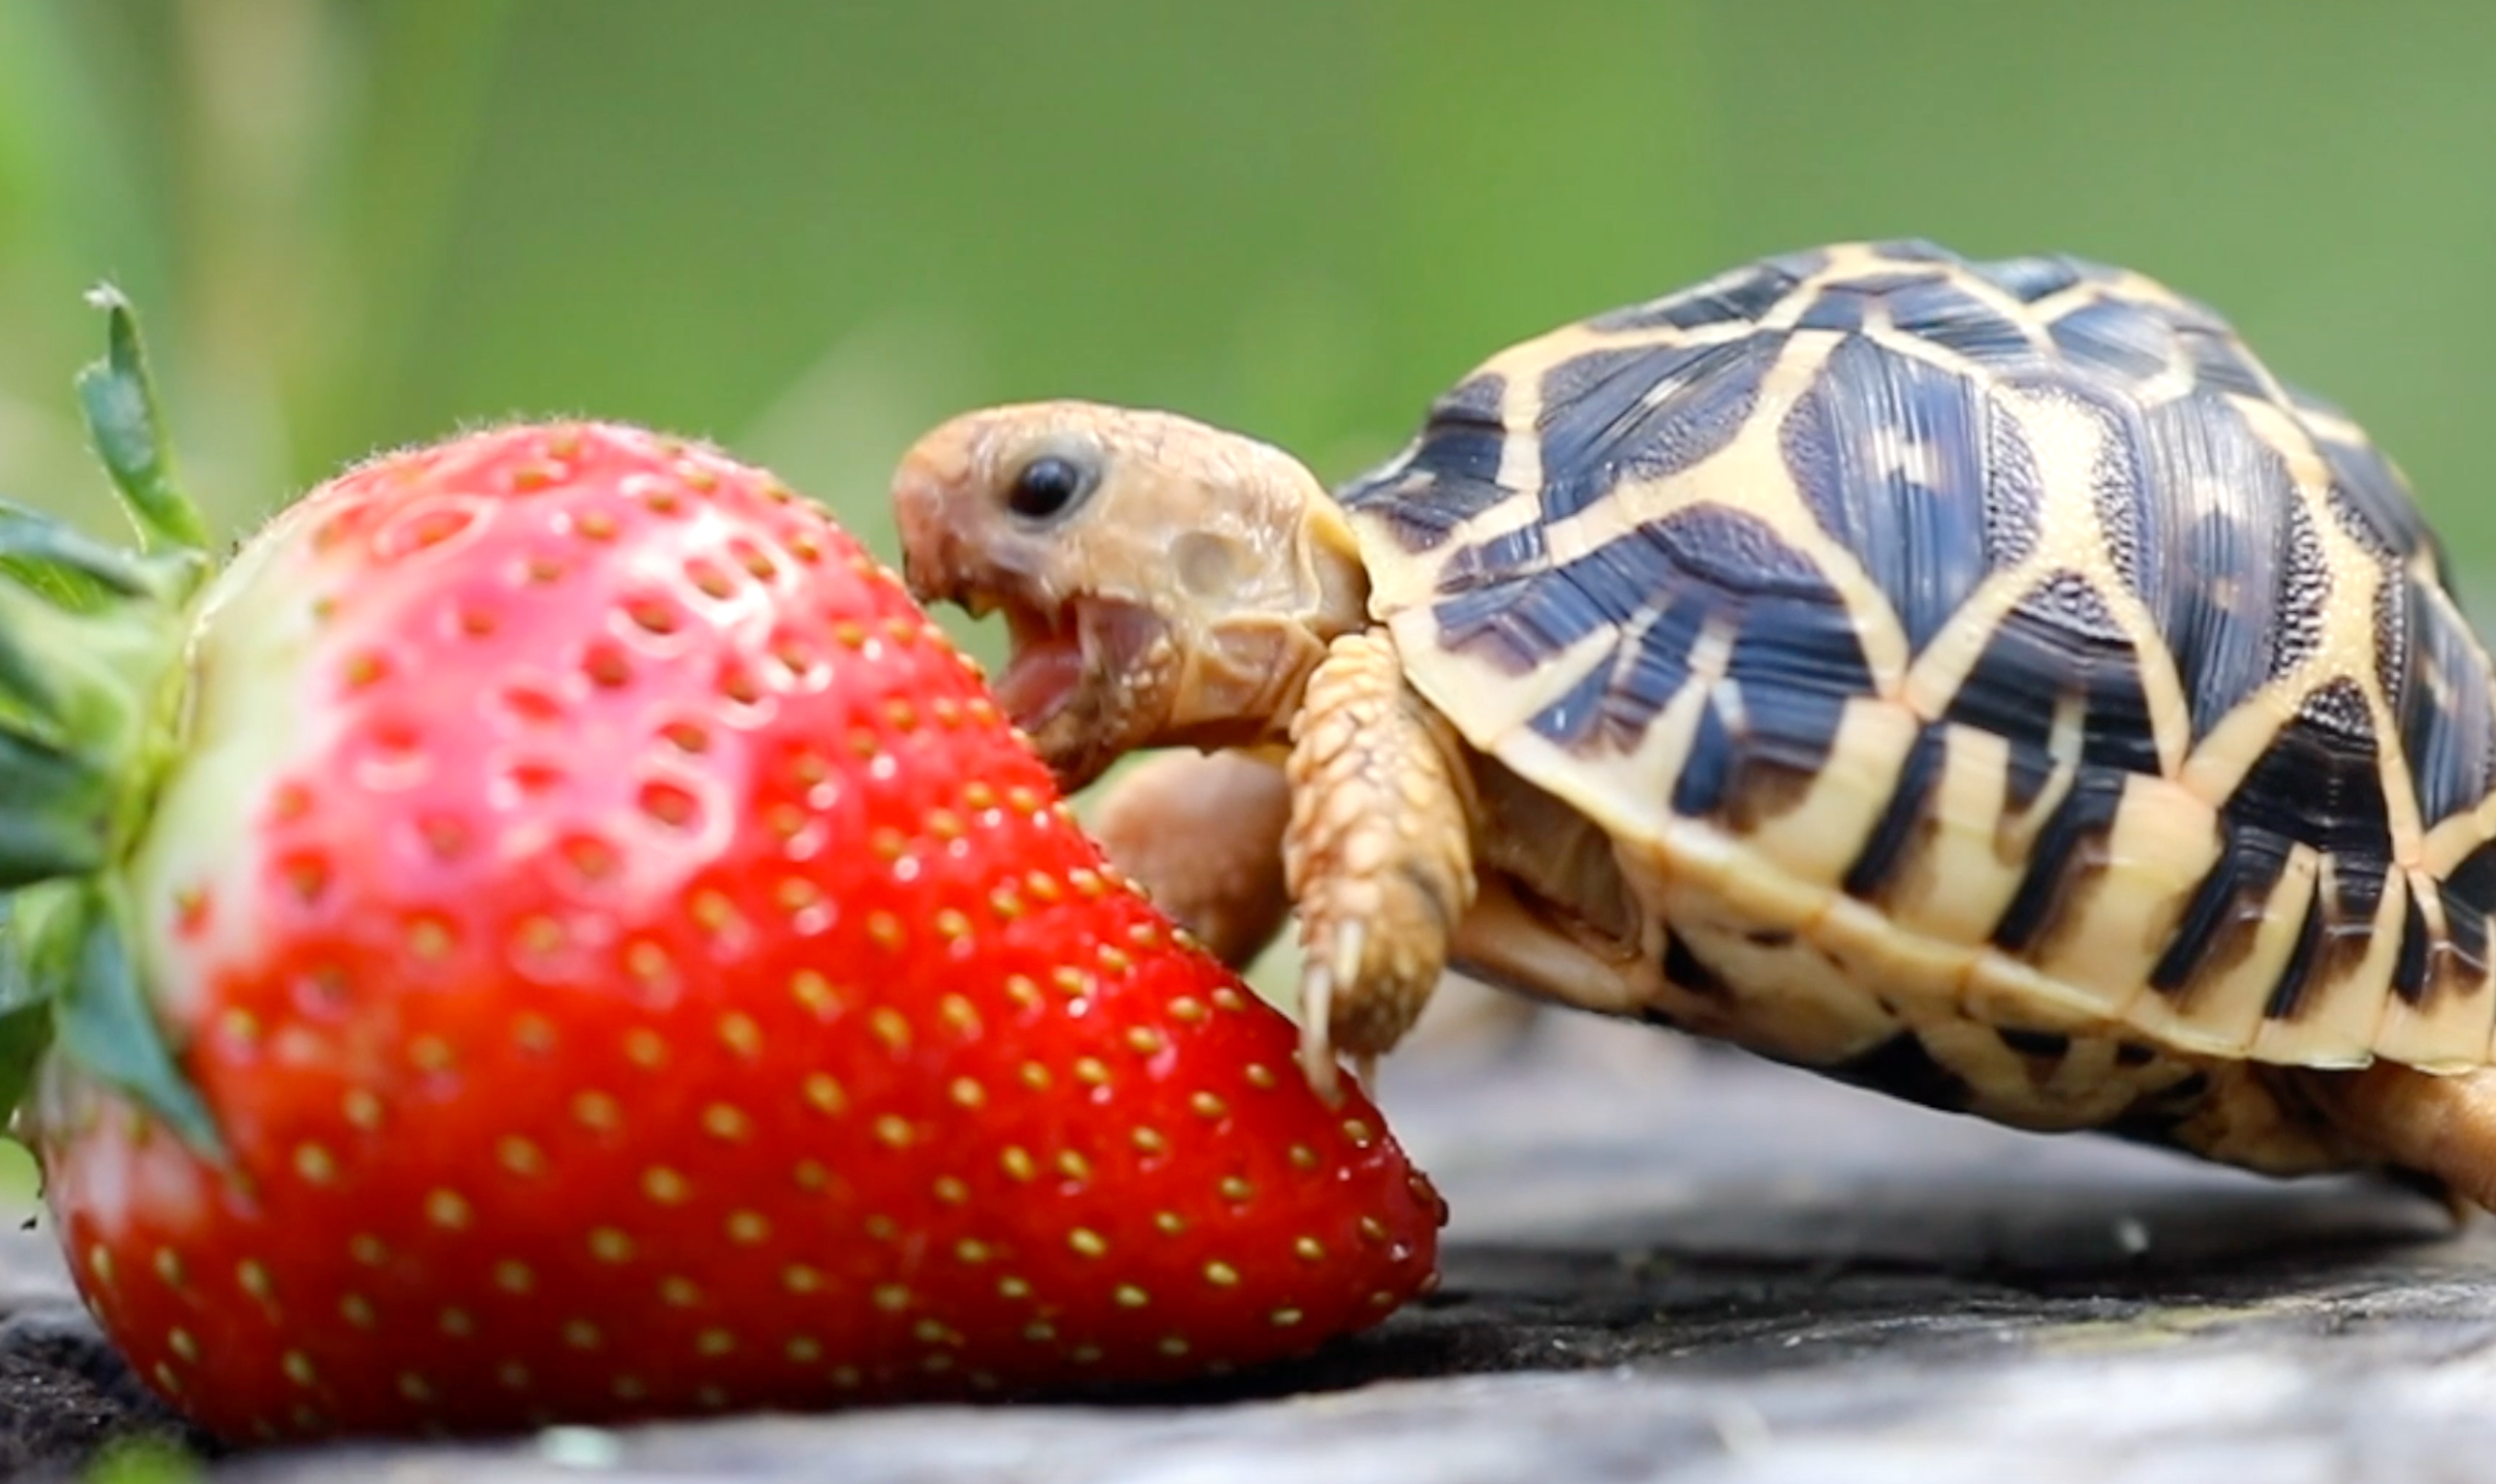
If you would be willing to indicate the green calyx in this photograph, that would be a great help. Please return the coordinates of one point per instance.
(90, 659)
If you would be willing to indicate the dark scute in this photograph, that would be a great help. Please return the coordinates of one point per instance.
(1475, 400)
(1943, 313)
(2126, 340)
(2030, 279)
(2226, 905)
(2320, 787)
(2133, 1054)
(1421, 504)
(2450, 742)
(1574, 716)
(2301, 607)
(1786, 736)
(1708, 771)
(2065, 849)
(1902, 1067)
(1645, 413)
(1518, 624)
(2060, 640)
(1738, 554)
(2296, 976)
(1742, 295)
(2374, 504)
(2215, 564)
(2014, 492)
(1838, 307)
(2469, 894)
(2221, 362)
(2041, 1044)
(2338, 705)
(1910, 802)
(2409, 964)
(1924, 545)
(1650, 668)
(1503, 557)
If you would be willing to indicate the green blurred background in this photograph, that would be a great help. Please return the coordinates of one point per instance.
(808, 228)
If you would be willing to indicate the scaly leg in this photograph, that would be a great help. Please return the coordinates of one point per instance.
(1379, 857)
(2443, 1126)
(1203, 832)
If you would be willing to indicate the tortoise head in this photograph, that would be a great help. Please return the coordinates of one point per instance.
(1164, 581)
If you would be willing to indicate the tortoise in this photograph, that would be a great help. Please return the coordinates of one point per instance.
(1981, 681)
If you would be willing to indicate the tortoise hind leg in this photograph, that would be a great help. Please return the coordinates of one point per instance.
(2440, 1127)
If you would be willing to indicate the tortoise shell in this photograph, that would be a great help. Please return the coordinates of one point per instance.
(1997, 686)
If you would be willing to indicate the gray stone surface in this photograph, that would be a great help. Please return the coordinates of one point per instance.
(1667, 1264)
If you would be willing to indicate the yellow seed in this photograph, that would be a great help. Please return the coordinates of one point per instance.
(427, 939)
(968, 1092)
(1113, 960)
(1005, 904)
(1073, 1167)
(713, 912)
(412, 1387)
(298, 1368)
(361, 1107)
(1283, 1319)
(1207, 1106)
(610, 1245)
(811, 1175)
(747, 1227)
(1372, 1230)
(1072, 982)
(1359, 1133)
(579, 1334)
(663, 1185)
(314, 1163)
(1086, 882)
(646, 962)
(1013, 1287)
(1259, 1075)
(1090, 1069)
(890, 1028)
(357, 1311)
(457, 1322)
(824, 1094)
(893, 1130)
(740, 1034)
(1086, 1242)
(1040, 1332)
(814, 991)
(716, 1342)
(514, 1277)
(1020, 989)
(519, 1155)
(1144, 1040)
(628, 1387)
(882, 1228)
(166, 1377)
(1041, 884)
(798, 1278)
(1236, 1189)
(805, 1351)
(929, 1331)
(1150, 1140)
(429, 1053)
(1129, 1295)
(680, 1292)
(1221, 1275)
(597, 1110)
(722, 1121)
(845, 1376)
(971, 1249)
(1083, 1355)
(448, 1209)
(1171, 1223)
(1227, 998)
(892, 1298)
(254, 1279)
(1173, 1347)
(99, 1263)
(184, 1345)
(533, 1032)
(1035, 1077)
(1309, 1249)
(645, 1048)
(513, 1375)
(367, 1250)
(952, 925)
(1017, 1163)
(1187, 1009)
(885, 928)
(951, 1192)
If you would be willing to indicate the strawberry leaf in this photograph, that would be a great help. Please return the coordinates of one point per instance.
(81, 949)
(120, 402)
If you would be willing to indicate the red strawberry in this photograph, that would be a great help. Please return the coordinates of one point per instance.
(551, 931)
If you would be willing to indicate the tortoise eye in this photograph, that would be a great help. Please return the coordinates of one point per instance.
(1049, 486)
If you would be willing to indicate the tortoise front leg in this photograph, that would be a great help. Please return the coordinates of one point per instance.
(1202, 834)
(1379, 857)
(2443, 1126)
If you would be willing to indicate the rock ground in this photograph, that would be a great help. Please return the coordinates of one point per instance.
(1667, 1262)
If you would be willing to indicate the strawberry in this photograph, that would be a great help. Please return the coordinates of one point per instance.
(551, 931)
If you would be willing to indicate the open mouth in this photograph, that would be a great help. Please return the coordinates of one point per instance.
(1046, 666)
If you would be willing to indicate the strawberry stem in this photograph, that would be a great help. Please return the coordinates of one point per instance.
(90, 672)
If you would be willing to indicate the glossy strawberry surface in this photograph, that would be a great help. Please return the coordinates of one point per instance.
(634, 969)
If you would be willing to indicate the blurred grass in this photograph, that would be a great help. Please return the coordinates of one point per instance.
(810, 230)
